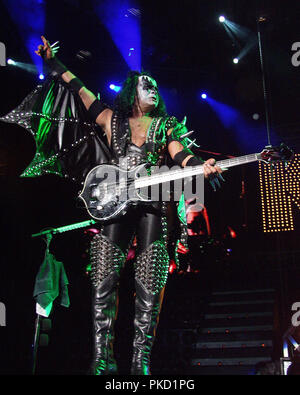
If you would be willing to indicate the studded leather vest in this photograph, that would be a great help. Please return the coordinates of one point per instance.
(134, 156)
(153, 151)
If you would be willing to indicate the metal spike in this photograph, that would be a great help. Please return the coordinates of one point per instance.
(183, 122)
(193, 143)
(52, 45)
(186, 134)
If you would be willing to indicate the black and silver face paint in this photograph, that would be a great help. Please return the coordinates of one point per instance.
(147, 90)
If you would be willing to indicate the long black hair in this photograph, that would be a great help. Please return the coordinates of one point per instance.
(125, 99)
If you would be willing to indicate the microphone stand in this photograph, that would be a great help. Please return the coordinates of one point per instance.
(39, 318)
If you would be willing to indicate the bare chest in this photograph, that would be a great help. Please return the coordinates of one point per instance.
(139, 129)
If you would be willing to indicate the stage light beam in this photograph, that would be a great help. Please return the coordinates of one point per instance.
(222, 19)
(29, 17)
(242, 129)
(122, 21)
(29, 67)
(242, 37)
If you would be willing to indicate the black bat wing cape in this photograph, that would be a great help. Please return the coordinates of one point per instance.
(68, 143)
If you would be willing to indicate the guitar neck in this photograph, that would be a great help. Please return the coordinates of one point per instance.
(190, 171)
(240, 160)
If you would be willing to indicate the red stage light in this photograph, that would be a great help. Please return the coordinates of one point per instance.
(232, 232)
(172, 266)
(181, 249)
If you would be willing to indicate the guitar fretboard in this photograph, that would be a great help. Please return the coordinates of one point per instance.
(190, 171)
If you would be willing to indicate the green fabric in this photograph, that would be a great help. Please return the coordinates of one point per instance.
(51, 282)
(44, 124)
(38, 165)
(40, 126)
(181, 211)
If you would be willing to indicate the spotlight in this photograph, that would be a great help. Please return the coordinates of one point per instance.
(222, 19)
(204, 96)
(10, 61)
(114, 87)
(41, 76)
(235, 60)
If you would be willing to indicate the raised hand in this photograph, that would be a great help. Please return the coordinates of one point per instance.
(46, 50)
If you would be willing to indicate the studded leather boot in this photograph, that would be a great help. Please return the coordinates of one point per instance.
(106, 261)
(147, 309)
(105, 303)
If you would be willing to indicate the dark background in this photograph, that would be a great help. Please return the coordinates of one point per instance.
(188, 51)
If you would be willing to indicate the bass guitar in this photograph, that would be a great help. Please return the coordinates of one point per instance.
(109, 190)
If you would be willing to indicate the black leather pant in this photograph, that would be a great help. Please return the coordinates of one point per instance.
(145, 221)
(109, 250)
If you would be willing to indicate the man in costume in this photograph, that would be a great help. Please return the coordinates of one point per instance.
(138, 130)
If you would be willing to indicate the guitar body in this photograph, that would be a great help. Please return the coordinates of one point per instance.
(109, 190)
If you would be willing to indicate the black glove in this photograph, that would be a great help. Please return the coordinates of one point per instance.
(53, 63)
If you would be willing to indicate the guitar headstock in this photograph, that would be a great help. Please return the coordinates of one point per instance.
(271, 154)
